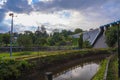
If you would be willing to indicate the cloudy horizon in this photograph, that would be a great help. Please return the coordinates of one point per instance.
(60, 14)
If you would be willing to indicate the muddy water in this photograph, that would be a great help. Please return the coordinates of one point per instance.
(80, 72)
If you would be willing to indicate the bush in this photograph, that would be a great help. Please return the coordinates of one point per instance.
(11, 69)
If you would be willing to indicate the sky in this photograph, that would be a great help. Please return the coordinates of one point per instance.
(57, 14)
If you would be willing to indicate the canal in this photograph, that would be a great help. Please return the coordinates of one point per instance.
(79, 69)
(79, 72)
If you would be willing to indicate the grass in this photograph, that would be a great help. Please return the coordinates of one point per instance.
(113, 69)
(100, 74)
(28, 54)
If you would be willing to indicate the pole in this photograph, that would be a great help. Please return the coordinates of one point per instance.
(11, 34)
(118, 50)
(49, 76)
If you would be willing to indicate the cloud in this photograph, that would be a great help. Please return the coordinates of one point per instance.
(71, 14)
(18, 6)
(68, 4)
(4, 27)
(2, 14)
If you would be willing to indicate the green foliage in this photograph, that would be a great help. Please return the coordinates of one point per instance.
(24, 65)
(113, 69)
(11, 69)
(41, 41)
(75, 42)
(78, 30)
(24, 40)
(100, 73)
(1, 39)
(80, 41)
(111, 36)
(6, 39)
(86, 44)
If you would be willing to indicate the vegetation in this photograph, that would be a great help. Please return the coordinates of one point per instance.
(100, 74)
(78, 30)
(86, 44)
(83, 44)
(113, 69)
(24, 40)
(6, 39)
(29, 55)
(11, 69)
(111, 36)
(40, 38)
(80, 41)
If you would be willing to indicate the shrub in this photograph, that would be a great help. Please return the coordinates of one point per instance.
(11, 69)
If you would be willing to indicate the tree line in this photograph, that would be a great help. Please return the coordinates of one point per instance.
(40, 38)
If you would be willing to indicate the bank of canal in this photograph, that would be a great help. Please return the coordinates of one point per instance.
(62, 61)
(79, 69)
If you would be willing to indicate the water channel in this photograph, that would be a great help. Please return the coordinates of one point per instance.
(79, 72)
(83, 69)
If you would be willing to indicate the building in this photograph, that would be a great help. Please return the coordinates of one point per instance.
(96, 37)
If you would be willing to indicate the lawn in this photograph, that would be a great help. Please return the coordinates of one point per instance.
(28, 54)
(31, 54)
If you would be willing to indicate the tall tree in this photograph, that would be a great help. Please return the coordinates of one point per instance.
(1, 39)
(111, 36)
(6, 39)
(80, 41)
(78, 30)
(24, 40)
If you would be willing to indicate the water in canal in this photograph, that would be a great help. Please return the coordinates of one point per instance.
(80, 72)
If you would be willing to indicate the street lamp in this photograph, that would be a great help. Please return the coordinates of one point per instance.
(11, 32)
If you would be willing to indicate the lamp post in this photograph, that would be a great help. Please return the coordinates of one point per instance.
(118, 37)
(11, 33)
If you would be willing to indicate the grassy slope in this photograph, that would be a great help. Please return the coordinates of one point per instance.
(99, 75)
(28, 55)
(113, 69)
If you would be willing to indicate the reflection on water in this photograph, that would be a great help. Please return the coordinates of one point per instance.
(84, 72)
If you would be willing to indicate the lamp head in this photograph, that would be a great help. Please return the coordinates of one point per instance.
(11, 14)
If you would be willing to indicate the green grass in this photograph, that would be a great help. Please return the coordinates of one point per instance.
(113, 69)
(100, 74)
(29, 55)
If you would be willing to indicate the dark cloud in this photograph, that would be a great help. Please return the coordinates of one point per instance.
(2, 14)
(69, 4)
(94, 10)
(18, 6)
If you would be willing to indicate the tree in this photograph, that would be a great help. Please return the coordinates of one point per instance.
(51, 41)
(1, 39)
(80, 41)
(24, 40)
(86, 44)
(6, 39)
(78, 30)
(41, 41)
(111, 36)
